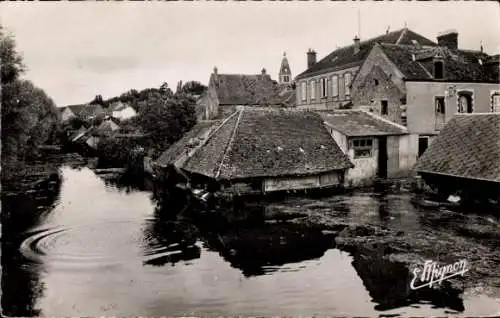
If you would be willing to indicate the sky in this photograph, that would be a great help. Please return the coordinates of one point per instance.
(75, 51)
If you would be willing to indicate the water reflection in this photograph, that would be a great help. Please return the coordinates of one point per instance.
(389, 285)
(116, 247)
(167, 242)
(21, 285)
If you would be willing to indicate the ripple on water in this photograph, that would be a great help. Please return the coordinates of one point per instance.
(85, 245)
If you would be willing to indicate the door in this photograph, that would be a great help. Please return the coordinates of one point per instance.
(382, 157)
(423, 143)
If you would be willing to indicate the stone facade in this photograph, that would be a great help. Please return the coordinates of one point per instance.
(379, 82)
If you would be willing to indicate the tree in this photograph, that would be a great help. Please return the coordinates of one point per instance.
(29, 116)
(193, 88)
(12, 64)
(97, 100)
(166, 121)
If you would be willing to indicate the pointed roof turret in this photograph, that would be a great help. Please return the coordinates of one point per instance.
(285, 67)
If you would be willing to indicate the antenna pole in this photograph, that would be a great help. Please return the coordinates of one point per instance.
(359, 25)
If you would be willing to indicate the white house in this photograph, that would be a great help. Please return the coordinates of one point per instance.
(122, 111)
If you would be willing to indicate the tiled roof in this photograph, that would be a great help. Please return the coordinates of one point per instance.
(360, 123)
(459, 65)
(178, 148)
(265, 143)
(91, 110)
(345, 58)
(468, 147)
(289, 97)
(74, 108)
(237, 89)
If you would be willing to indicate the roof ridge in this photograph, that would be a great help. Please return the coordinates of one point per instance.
(367, 40)
(476, 114)
(231, 140)
(385, 120)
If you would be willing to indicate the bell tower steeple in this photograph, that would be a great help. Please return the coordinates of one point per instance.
(285, 76)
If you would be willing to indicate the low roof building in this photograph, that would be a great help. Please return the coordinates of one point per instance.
(468, 147)
(264, 143)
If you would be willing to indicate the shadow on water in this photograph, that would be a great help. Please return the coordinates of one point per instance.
(21, 285)
(257, 242)
(388, 284)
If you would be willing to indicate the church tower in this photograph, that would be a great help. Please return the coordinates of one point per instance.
(285, 76)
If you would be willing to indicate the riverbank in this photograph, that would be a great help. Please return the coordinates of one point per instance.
(26, 176)
(448, 236)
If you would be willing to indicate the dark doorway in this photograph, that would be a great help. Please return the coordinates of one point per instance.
(382, 157)
(423, 143)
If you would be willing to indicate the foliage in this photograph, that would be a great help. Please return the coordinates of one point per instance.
(12, 64)
(193, 88)
(165, 121)
(29, 116)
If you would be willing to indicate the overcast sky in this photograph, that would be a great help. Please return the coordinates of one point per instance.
(77, 50)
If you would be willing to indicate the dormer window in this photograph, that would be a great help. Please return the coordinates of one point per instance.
(438, 70)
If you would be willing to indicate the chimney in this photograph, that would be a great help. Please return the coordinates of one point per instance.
(311, 58)
(263, 71)
(448, 39)
(356, 44)
(215, 70)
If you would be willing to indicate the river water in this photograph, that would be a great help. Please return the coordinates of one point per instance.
(90, 247)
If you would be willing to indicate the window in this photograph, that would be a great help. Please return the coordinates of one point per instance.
(285, 79)
(303, 90)
(495, 102)
(335, 85)
(465, 102)
(347, 83)
(440, 109)
(375, 82)
(362, 147)
(438, 70)
(384, 107)
(313, 89)
(324, 87)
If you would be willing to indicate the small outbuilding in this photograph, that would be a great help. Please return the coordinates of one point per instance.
(377, 147)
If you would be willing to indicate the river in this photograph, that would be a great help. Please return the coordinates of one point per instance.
(91, 247)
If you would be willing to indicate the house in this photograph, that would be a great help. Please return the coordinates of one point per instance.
(258, 151)
(107, 126)
(464, 159)
(71, 111)
(377, 147)
(422, 86)
(227, 92)
(91, 111)
(121, 111)
(326, 84)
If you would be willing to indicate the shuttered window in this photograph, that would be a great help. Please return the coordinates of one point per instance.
(347, 83)
(335, 86)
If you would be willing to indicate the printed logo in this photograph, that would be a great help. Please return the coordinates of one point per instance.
(432, 273)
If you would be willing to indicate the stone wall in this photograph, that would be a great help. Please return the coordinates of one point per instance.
(378, 79)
